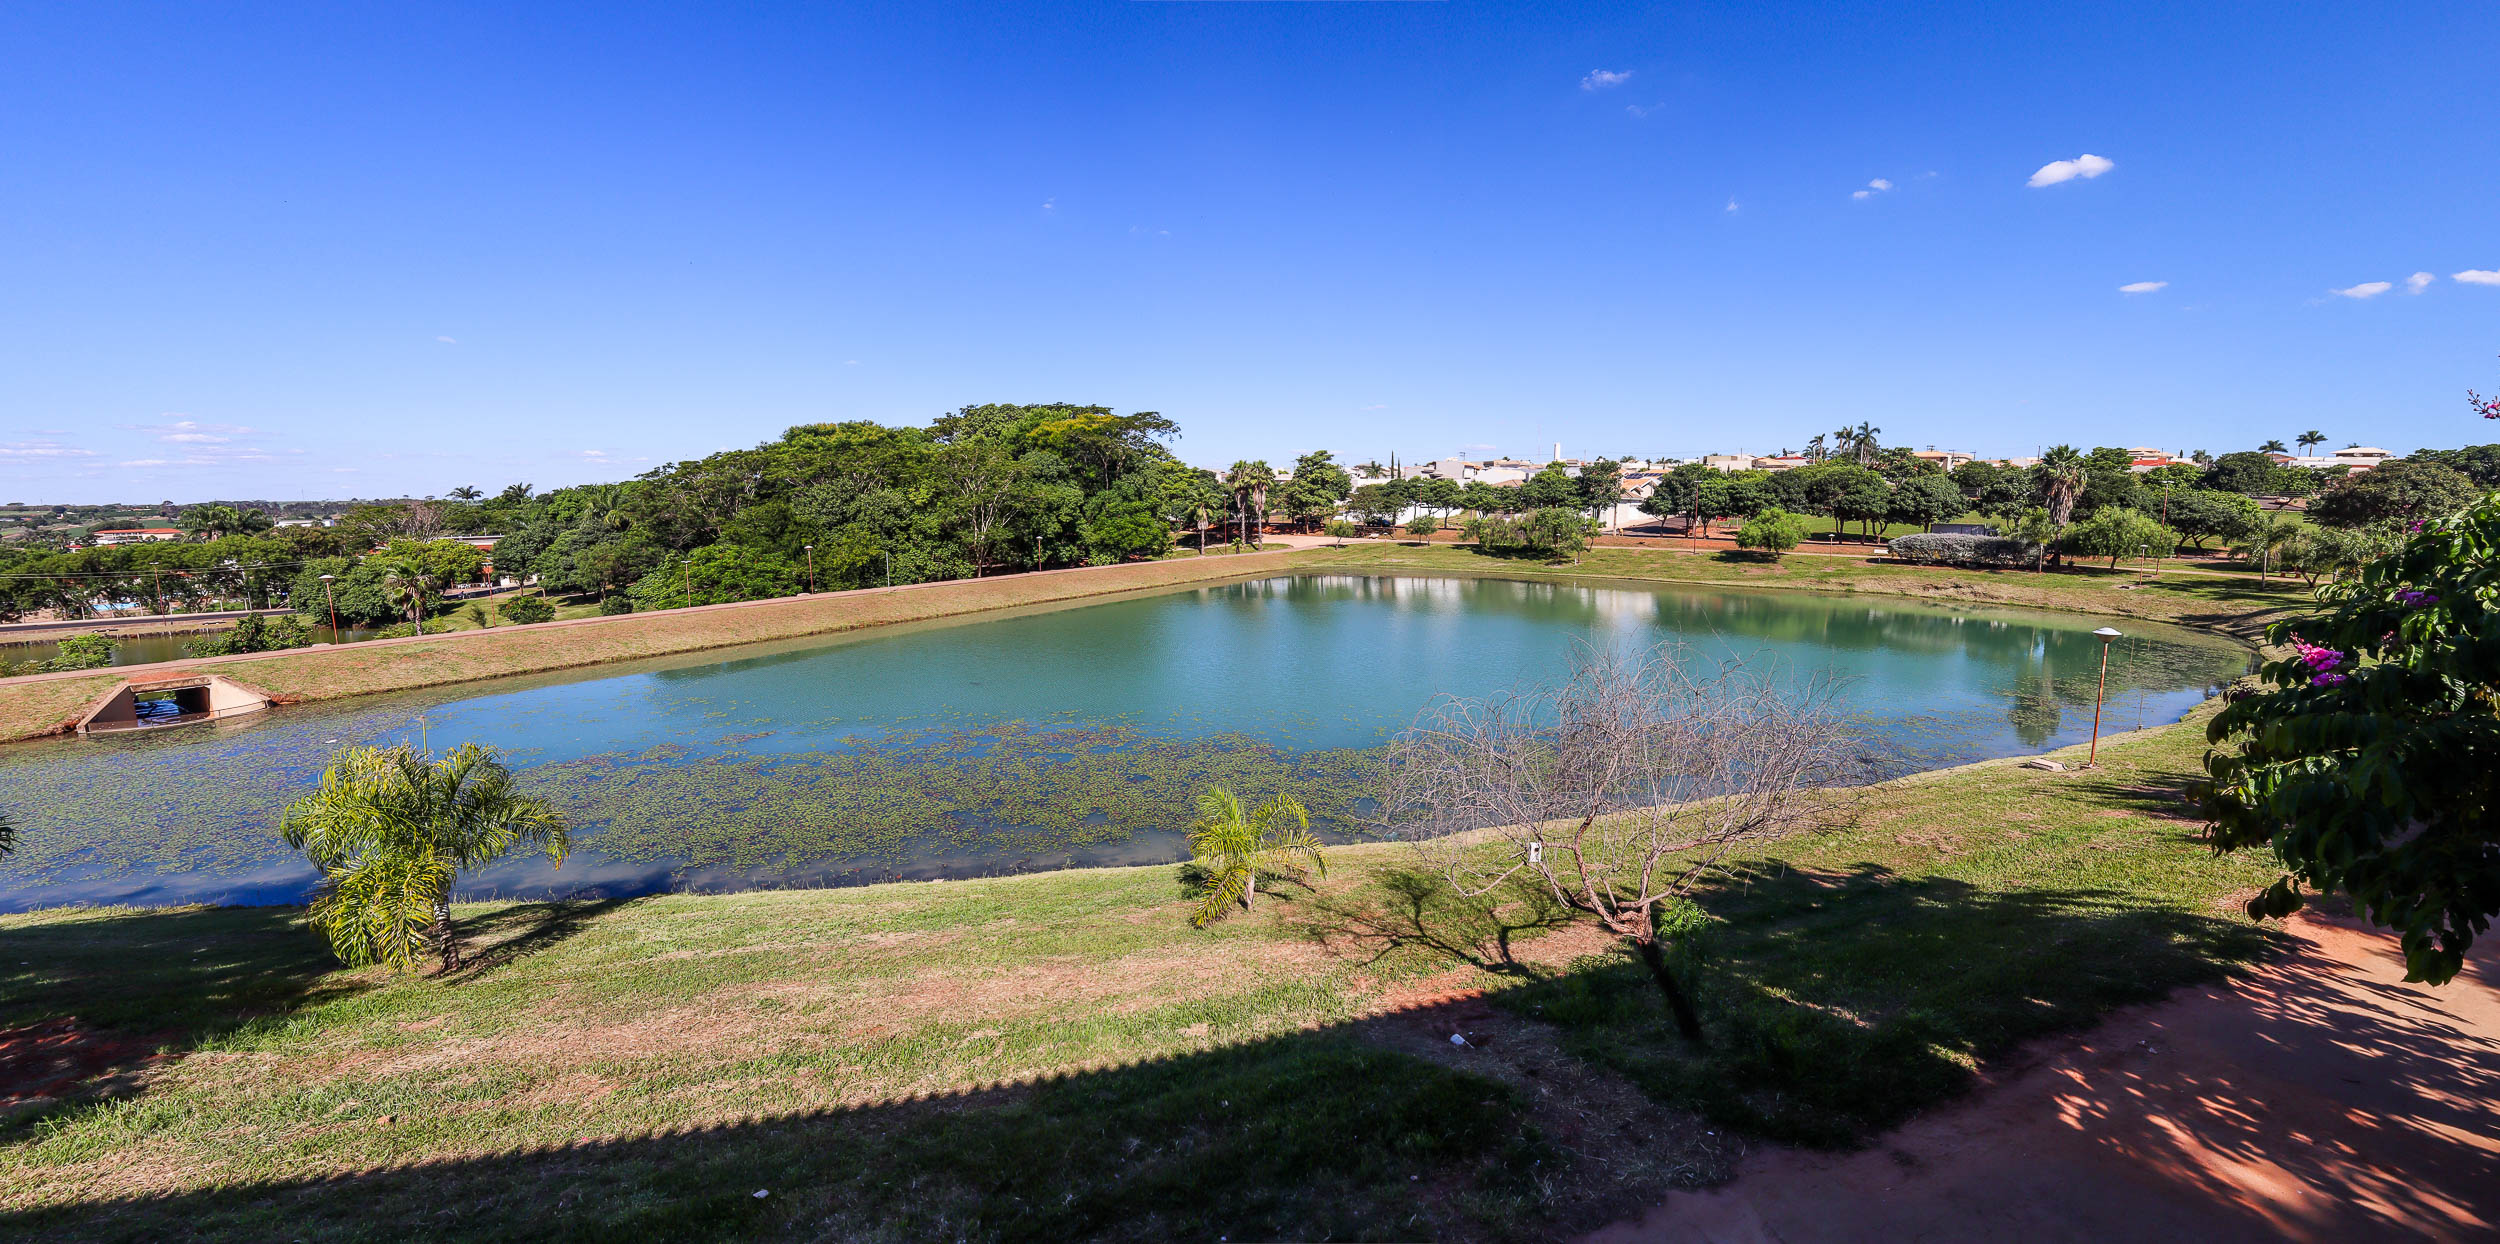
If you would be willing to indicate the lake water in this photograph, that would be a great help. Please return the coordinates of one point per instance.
(1043, 738)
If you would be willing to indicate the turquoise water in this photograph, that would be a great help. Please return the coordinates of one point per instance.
(1036, 739)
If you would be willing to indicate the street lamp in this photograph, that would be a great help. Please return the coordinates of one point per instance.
(811, 568)
(2105, 635)
(332, 596)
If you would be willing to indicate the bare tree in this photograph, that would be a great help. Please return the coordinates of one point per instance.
(1621, 792)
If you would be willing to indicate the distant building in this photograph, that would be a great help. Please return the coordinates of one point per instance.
(136, 535)
(2361, 457)
(1945, 458)
(306, 522)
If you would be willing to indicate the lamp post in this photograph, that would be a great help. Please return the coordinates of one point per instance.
(889, 566)
(811, 568)
(332, 596)
(2105, 635)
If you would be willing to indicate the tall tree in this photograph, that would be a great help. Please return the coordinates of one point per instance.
(2310, 440)
(1250, 479)
(2062, 474)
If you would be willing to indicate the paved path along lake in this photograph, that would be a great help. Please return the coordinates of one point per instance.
(1034, 739)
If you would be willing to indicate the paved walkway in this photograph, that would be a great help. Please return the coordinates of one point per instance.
(2320, 1098)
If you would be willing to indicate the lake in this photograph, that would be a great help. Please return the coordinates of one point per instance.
(1042, 738)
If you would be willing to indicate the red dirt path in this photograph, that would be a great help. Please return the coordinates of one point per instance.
(2320, 1098)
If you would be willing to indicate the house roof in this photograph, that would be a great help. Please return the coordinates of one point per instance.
(138, 531)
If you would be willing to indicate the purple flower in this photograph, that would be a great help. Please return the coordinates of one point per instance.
(2321, 662)
(2415, 600)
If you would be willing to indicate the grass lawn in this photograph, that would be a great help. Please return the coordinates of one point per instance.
(2233, 606)
(1060, 1055)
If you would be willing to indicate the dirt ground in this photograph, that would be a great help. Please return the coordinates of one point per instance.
(2320, 1098)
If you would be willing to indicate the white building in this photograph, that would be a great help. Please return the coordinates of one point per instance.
(136, 535)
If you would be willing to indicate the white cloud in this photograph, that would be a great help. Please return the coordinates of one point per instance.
(1731, 205)
(447, 341)
(1600, 79)
(2143, 287)
(1879, 184)
(2476, 276)
(1050, 205)
(1873, 188)
(2086, 166)
(1637, 111)
(850, 362)
(2418, 282)
(2366, 289)
(149, 462)
(42, 449)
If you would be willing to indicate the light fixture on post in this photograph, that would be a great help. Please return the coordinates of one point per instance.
(811, 568)
(333, 597)
(2105, 635)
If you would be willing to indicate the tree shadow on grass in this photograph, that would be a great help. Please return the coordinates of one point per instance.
(519, 930)
(1407, 911)
(1835, 1004)
(88, 1004)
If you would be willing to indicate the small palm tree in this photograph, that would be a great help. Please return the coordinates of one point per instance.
(391, 828)
(2310, 439)
(1235, 846)
(408, 582)
(2272, 447)
(466, 492)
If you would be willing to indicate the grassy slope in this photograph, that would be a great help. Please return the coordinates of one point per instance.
(1059, 1055)
(29, 708)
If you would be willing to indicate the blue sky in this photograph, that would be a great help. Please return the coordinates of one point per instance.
(367, 250)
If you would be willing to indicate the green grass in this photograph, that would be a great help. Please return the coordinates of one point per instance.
(2233, 606)
(1060, 1055)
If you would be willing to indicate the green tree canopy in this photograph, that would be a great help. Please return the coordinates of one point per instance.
(2373, 766)
(2393, 491)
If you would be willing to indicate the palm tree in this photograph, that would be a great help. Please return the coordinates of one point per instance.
(1862, 441)
(1814, 449)
(2268, 533)
(1250, 480)
(1372, 469)
(2061, 485)
(407, 580)
(1235, 846)
(466, 492)
(2310, 439)
(391, 828)
(1200, 511)
(2272, 447)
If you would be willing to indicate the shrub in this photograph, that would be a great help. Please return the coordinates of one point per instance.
(1424, 525)
(614, 606)
(1944, 549)
(1773, 532)
(255, 633)
(81, 652)
(525, 610)
(2368, 768)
